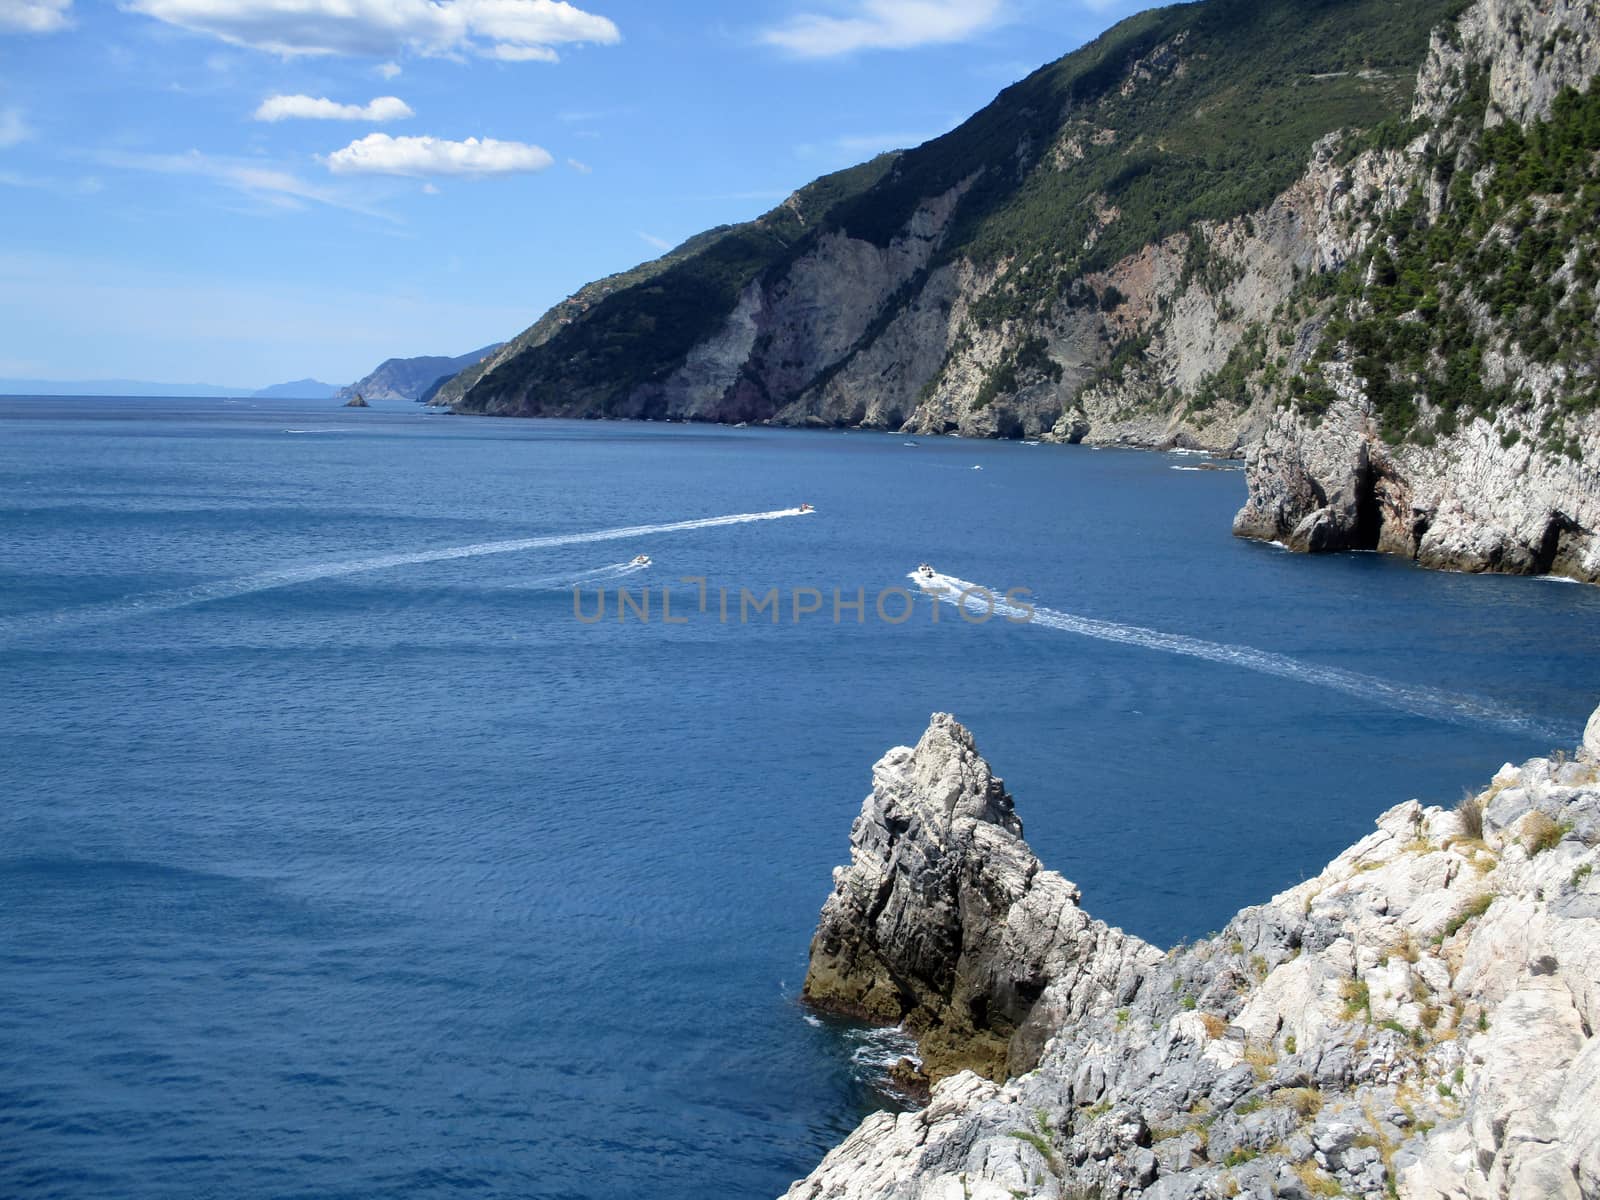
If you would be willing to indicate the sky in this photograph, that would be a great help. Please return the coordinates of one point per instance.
(243, 192)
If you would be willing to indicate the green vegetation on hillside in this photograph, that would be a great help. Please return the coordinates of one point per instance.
(639, 331)
(1177, 115)
(1219, 118)
(1516, 265)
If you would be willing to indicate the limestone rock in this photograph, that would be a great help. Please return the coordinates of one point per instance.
(1417, 1021)
(945, 919)
(1487, 493)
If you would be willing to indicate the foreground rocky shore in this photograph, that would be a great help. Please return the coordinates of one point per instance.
(1417, 1021)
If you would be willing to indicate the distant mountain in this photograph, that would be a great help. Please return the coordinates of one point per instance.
(299, 389)
(114, 387)
(412, 378)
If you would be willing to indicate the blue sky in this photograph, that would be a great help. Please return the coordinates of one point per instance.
(247, 191)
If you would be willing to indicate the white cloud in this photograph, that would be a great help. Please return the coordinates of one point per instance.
(506, 52)
(317, 108)
(380, 154)
(275, 186)
(514, 30)
(34, 16)
(13, 128)
(582, 168)
(659, 243)
(388, 70)
(885, 25)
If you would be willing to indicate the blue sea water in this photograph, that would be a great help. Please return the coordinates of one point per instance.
(338, 858)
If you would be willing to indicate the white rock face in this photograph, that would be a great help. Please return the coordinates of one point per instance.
(945, 919)
(1490, 495)
(1418, 1021)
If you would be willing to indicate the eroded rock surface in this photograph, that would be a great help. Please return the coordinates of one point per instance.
(1417, 1021)
(945, 919)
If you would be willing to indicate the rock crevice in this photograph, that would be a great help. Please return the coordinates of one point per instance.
(946, 921)
(1415, 1022)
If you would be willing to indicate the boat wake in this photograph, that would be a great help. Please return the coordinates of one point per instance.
(34, 624)
(1432, 703)
(590, 578)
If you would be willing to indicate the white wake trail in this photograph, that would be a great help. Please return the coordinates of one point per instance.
(33, 624)
(1433, 703)
(595, 575)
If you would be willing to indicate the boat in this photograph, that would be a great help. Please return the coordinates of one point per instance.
(806, 508)
(925, 571)
(640, 560)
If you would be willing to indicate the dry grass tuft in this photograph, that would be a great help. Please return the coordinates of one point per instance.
(1540, 833)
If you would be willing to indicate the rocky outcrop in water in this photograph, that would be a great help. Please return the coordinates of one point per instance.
(1416, 1022)
(946, 921)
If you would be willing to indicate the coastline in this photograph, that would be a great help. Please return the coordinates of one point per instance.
(1416, 1021)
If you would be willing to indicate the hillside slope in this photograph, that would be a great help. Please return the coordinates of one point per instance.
(1004, 278)
(1353, 239)
(1446, 400)
(411, 378)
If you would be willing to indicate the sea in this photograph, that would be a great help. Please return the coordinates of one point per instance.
(360, 836)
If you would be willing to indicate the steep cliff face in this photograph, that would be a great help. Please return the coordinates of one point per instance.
(1352, 239)
(946, 921)
(1450, 411)
(1416, 1022)
(1092, 257)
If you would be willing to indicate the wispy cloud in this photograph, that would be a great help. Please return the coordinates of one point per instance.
(13, 128)
(885, 25)
(660, 243)
(858, 147)
(87, 185)
(277, 187)
(319, 108)
(512, 30)
(35, 16)
(387, 70)
(380, 154)
(876, 143)
(582, 168)
(589, 116)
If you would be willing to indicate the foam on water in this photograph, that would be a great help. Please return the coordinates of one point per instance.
(33, 624)
(1433, 703)
(595, 575)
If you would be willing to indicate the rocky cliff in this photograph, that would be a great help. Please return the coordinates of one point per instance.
(947, 922)
(1417, 1021)
(1450, 411)
(1080, 260)
(1353, 240)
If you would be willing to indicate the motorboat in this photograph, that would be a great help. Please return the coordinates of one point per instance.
(806, 508)
(640, 560)
(925, 571)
